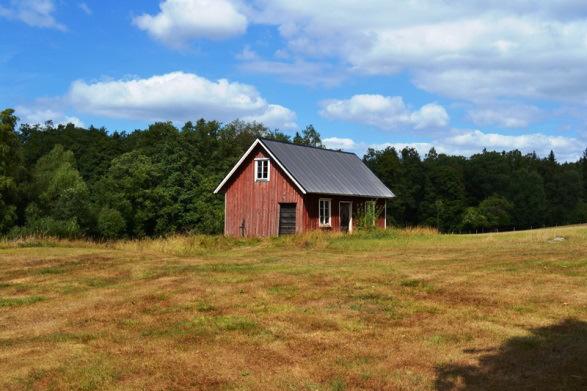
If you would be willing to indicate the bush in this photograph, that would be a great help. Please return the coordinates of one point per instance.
(367, 214)
(48, 226)
(473, 220)
(111, 224)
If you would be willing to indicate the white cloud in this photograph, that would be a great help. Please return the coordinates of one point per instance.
(36, 13)
(39, 115)
(346, 144)
(178, 96)
(274, 116)
(469, 142)
(180, 21)
(471, 50)
(507, 116)
(474, 140)
(385, 112)
(474, 50)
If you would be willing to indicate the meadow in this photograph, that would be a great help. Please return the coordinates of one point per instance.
(397, 310)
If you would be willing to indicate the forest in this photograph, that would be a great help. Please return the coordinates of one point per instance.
(68, 181)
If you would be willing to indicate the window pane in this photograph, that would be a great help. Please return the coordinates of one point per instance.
(262, 172)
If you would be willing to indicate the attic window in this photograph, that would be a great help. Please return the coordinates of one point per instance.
(262, 170)
(324, 212)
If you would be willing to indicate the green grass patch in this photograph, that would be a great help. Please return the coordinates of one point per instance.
(204, 307)
(420, 285)
(101, 282)
(53, 270)
(207, 326)
(20, 301)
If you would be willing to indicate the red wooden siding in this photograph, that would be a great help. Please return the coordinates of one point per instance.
(257, 203)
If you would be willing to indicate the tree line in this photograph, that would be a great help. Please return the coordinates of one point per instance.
(485, 192)
(70, 181)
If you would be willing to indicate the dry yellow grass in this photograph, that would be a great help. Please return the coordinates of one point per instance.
(406, 310)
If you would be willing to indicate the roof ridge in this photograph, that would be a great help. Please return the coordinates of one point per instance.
(307, 146)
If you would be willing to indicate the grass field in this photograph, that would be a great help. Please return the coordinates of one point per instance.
(406, 310)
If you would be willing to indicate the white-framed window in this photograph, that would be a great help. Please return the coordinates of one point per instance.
(324, 211)
(262, 168)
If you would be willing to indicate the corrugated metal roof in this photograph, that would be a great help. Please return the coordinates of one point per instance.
(325, 171)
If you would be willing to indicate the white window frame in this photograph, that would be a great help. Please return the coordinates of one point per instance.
(262, 159)
(329, 201)
(350, 214)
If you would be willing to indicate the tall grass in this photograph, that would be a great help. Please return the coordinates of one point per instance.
(200, 245)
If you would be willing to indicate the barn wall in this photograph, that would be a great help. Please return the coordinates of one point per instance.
(311, 219)
(257, 203)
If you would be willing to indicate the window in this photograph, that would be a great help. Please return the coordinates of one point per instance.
(261, 169)
(324, 212)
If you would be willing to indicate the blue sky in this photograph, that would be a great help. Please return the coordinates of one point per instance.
(459, 75)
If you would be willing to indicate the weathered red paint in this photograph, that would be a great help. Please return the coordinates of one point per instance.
(257, 203)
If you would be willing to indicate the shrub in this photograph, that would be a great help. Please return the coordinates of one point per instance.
(48, 226)
(111, 224)
(367, 215)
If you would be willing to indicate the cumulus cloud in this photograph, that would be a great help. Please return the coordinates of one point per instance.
(472, 50)
(180, 21)
(40, 115)
(35, 13)
(178, 96)
(385, 112)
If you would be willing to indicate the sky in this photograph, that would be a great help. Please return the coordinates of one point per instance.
(459, 75)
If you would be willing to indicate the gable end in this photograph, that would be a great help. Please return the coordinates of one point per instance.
(246, 155)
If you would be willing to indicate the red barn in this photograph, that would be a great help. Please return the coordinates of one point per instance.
(280, 188)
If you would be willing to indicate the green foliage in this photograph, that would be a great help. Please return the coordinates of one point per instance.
(508, 189)
(111, 224)
(48, 226)
(366, 215)
(60, 196)
(70, 181)
(474, 219)
(10, 168)
(496, 209)
(527, 195)
(132, 188)
(309, 137)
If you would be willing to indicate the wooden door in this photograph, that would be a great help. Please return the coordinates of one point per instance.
(287, 219)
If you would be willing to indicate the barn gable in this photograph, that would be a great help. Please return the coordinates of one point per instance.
(252, 148)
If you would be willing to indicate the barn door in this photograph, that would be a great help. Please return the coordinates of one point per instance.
(287, 219)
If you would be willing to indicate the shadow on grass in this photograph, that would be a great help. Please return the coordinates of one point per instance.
(551, 358)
